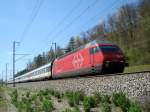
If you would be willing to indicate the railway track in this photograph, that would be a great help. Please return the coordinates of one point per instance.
(89, 76)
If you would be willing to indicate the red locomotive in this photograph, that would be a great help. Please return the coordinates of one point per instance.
(97, 57)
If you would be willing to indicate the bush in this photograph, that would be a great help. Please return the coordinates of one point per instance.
(74, 98)
(71, 101)
(76, 109)
(33, 97)
(28, 106)
(14, 97)
(47, 105)
(57, 95)
(43, 92)
(134, 107)
(51, 91)
(21, 106)
(106, 107)
(40, 95)
(105, 98)
(28, 94)
(25, 105)
(67, 110)
(48, 97)
(120, 99)
(88, 103)
(97, 97)
(1, 99)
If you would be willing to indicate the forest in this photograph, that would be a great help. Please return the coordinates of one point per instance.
(129, 28)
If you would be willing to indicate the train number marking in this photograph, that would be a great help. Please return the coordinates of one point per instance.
(77, 60)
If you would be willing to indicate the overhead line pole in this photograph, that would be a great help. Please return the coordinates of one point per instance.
(14, 63)
(14, 59)
(54, 43)
(14, 50)
(2, 78)
(6, 73)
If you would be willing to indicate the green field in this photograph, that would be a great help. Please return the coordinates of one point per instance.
(138, 68)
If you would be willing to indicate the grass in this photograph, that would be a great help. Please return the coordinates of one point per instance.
(138, 68)
(120, 99)
(1, 101)
(45, 101)
(88, 103)
(3, 105)
(74, 98)
(105, 107)
(14, 97)
(134, 107)
(47, 105)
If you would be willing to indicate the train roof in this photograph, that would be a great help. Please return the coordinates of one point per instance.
(39, 68)
(95, 42)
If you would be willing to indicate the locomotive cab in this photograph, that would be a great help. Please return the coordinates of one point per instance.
(106, 58)
(113, 59)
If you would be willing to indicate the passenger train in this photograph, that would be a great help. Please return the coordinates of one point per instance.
(97, 57)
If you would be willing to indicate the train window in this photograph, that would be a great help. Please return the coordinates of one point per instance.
(91, 51)
(94, 50)
(110, 49)
(47, 69)
(43, 70)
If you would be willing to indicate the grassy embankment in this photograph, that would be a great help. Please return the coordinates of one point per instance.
(3, 105)
(138, 68)
(54, 101)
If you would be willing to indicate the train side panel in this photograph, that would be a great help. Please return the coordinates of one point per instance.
(77, 63)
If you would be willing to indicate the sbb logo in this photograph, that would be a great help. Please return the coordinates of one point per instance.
(77, 60)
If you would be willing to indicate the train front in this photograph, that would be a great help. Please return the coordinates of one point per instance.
(114, 61)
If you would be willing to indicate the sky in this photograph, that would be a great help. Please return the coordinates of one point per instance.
(36, 24)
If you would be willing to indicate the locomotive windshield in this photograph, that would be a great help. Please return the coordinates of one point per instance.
(108, 49)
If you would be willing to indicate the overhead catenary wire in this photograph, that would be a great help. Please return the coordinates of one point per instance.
(73, 9)
(76, 18)
(64, 18)
(99, 13)
(34, 14)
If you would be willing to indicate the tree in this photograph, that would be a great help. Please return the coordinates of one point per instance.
(39, 61)
(50, 55)
(71, 45)
(78, 42)
(59, 51)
